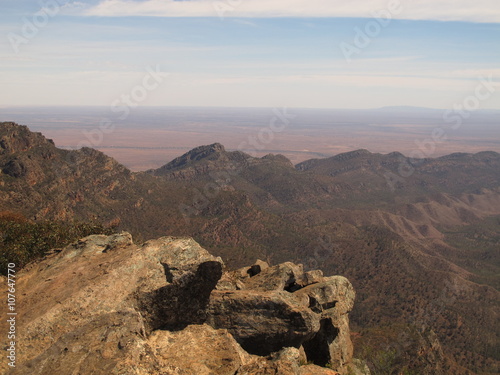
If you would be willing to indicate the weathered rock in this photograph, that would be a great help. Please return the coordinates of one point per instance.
(264, 367)
(102, 275)
(263, 322)
(257, 267)
(331, 292)
(332, 299)
(286, 362)
(286, 276)
(289, 355)
(235, 280)
(282, 306)
(232, 280)
(198, 349)
(313, 277)
(315, 370)
(104, 305)
(98, 347)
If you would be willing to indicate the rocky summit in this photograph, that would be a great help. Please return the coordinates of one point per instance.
(104, 305)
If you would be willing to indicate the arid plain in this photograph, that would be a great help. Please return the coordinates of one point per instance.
(149, 137)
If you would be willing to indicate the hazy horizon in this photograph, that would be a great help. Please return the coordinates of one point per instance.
(152, 136)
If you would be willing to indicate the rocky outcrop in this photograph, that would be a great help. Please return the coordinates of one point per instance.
(16, 139)
(203, 160)
(104, 305)
(269, 308)
(215, 162)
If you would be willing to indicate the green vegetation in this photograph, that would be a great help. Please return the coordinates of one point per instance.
(384, 362)
(388, 362)
(398, 349)
(22, 240)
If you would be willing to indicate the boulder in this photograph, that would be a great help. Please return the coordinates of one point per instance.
(257, 267)
(332, 299)
(313, 277)
(263, 322)
(283, 306)
(285, 276)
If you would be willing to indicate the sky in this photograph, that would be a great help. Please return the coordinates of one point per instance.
(250, 53)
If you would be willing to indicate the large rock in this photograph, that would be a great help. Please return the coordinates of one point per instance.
(101, 278)
(104, 305)
(286, 276)
(269, 308)
(331, 299)
(263, 322)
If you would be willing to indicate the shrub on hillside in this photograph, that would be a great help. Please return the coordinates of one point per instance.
(22, 240)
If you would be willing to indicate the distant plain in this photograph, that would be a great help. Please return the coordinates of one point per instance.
(149, 137)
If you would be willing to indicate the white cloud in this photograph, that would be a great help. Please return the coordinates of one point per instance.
(102, 87)
(361, 81)
(474, 73)
(74, 7)
(442, 10)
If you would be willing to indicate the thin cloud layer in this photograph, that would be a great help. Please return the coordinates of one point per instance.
(443, 10)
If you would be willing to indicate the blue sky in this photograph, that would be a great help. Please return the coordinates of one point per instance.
(260, 54)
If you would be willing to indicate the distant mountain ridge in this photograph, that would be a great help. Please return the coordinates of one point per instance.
(421, 249)
(211, 158)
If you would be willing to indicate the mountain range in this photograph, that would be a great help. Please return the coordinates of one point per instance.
(418, 238)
